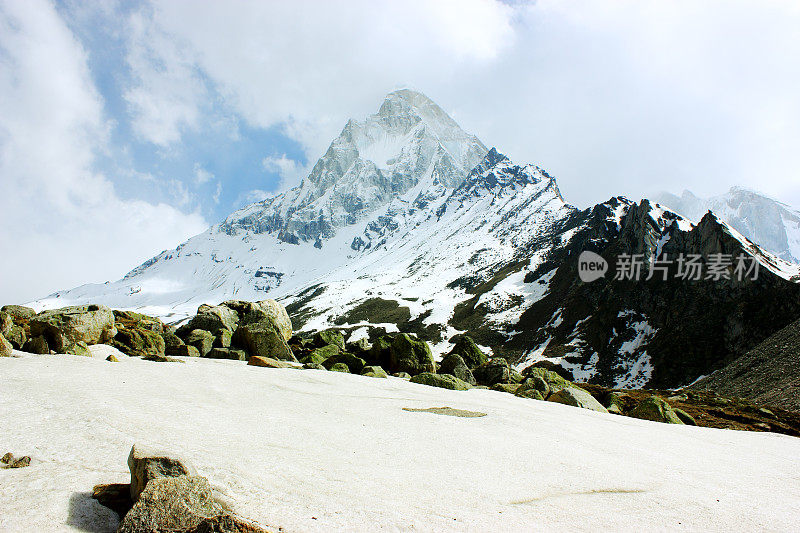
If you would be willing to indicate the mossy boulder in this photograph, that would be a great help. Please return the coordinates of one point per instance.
(185, 350)
(359, 347)
(223, 338)
(263, 339)
(444, 381)
(533, 384)
(374, 372)
(17, 337)
(214, 318)
(354, 364)
(5, 347)
(78, 348)
(131, 319)
(339, 367)
(201, 339)
(577, 397)
(329, 337)
(227, 353)
(531, 394)
(510, 388)
(492, 371)
(410, 354)
(139, 342)
(555, 381)
(685, 417)
(37, 345)
(19, 312)
(91, 324)
(469, 352)
(657, 410)
(454, 365)
(380, 351)
(172, 343)
(264, 312)
(6, 323)
(615, 403)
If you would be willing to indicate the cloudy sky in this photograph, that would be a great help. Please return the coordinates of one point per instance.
(127, 127)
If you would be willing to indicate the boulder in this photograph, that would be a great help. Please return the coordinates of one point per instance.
(444, 381)
(112, 359)
(137, 341)
(615, 403)
(19, 312)
(6, 349)
(134, 320)
(17, 337)
(214, 318)
(374, 372)
(37, 345)
(92, 324)
(146, 464)
(655, 409)
(265, 311)
(78, 348)
(313, 366)
(555, 382)
(469, 352)
(267, 362)
(379, 352)
(16, 462)
(410, 354)
(577, 398)
(175, 504)
(184, 350)
(354, 364)
(329, 337)
(339, 367)
(6, 323)
(263, 339)
(201, 339)
(227, 353)
(454, 364)
(319, 355)
(493, 371)
(531, 385)
(115, 496)
(223, 338)
(685, 417)
(402, 375)
(164, 358)
(510, 388)
(172, 343)
(361, 346)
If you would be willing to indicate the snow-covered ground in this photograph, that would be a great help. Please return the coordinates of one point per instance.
(310, 450)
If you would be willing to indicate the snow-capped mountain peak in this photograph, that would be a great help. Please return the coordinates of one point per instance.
(409, 143)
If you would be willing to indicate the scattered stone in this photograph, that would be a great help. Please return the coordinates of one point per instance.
(16, 462)
(147, 464)
(577, 398)
(374, 372)
(657, 410)
(454, 364)
(339, 367)
(410, 354)
(112, 358)
(444, 381)
(469, 352)
(447, 411)
(267, 362)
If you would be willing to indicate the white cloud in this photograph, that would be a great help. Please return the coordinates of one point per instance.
(63, 223)
(217, 193)
(290, 171)
(201, 175)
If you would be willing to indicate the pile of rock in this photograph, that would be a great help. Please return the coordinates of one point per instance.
(15, 462)
(167, 494)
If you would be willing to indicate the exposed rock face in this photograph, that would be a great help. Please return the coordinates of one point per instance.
(444, 381)
(92, 324)
(409, 354)
(577, 398)
(147, 464)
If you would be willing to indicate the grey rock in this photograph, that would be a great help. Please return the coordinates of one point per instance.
(147, 464)
(454, 364)
(92, 324)
(577, 398)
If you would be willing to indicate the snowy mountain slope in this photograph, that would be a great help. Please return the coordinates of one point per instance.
(327, 451)
(394, 229)
(765, 221)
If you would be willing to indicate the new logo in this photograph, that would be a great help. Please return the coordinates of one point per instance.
(591, 266)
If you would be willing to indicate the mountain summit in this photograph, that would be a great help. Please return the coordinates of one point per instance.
(409, 144)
